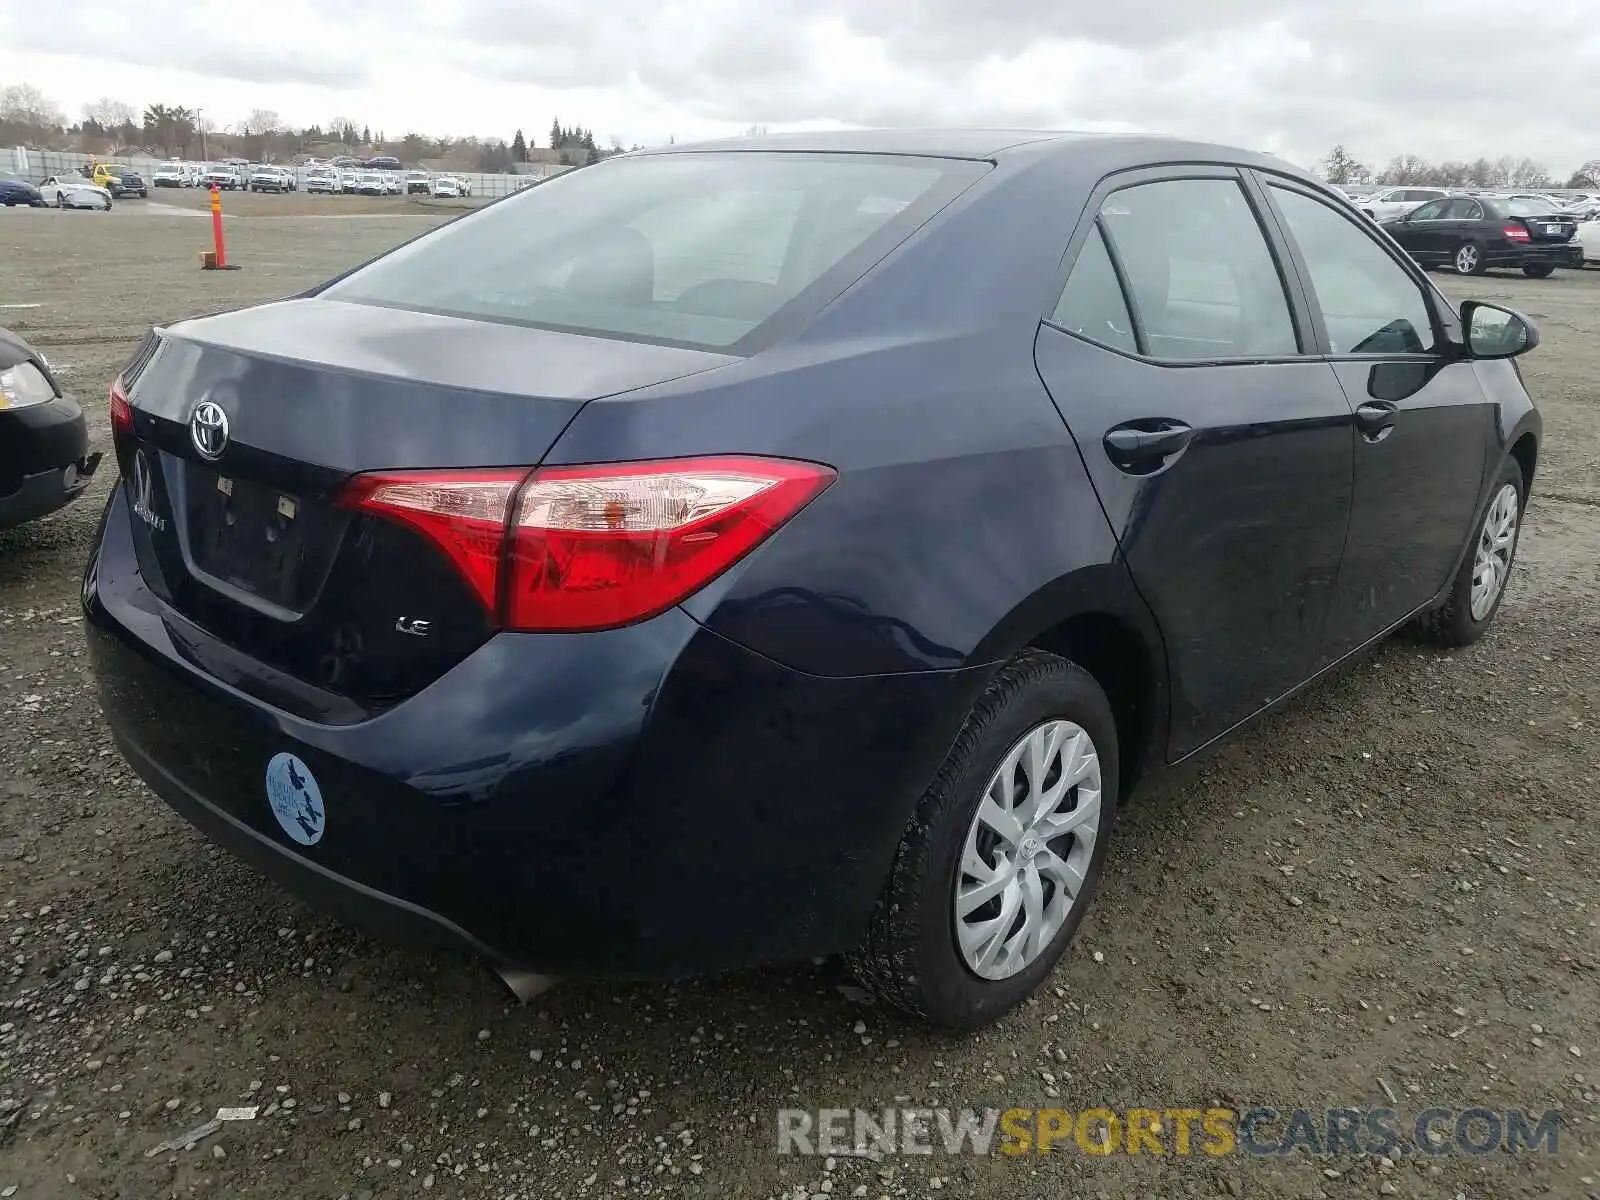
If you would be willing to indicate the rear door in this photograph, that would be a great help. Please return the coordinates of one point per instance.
(1462, 223)
(1220, 449)
(1424, 426)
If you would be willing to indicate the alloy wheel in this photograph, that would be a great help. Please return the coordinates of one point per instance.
(1028, 850)
(1496, 541)
(1467, 259)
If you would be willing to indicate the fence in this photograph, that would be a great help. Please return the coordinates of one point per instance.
(40, 164)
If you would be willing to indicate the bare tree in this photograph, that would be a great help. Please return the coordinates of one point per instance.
(1406, 169)
(261, 122)
(1343, 167)
(1586, 176)
(1527, 173)
(108, 113)
(29, 111)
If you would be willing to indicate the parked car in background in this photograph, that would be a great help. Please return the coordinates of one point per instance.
(104, 175)
(822, 608)
(446, 185)
(1396, 202)
(371, 183)
(45, 463)
(382, 162)
(131, 183)
(324, 180)
(1589, 241)
(223, 178)
(269, 179)
(172, 174)
(1474, 233)
(417, 183)
(74, 191)
(15, 190)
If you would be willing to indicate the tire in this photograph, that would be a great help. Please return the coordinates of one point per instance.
(1453, 623)
(1539, 270)
(1469, 259)
(911, 955)
(61, 201)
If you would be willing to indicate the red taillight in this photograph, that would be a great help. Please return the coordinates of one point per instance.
(1515, 233)
(463, 513)
(574, 548)
(121, 410)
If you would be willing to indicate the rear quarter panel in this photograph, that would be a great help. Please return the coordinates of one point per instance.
(960, 495)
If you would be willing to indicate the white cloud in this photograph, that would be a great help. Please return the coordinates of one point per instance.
(1292, 76)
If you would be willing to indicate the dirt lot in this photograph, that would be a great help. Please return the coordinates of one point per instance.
(1390, 889)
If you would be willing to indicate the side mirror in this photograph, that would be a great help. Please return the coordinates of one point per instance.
(1495, 332)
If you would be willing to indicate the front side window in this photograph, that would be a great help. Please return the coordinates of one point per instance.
(1369, 304)
(695, 249)
(1429, 212)
(1092, 304)
(1202, 277)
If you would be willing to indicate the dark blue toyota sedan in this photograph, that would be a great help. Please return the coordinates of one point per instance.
(745, 552)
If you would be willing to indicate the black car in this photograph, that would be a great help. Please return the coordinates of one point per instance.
(1474, 233)
(131, 183)
(742, 553)
(45, 462)
(15, 190)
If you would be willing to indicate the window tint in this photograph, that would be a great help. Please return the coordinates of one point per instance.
(1462, 208)
(1430, 212)
(1204, 282)
(1529, 206)
(1092, 304)
(1370, 305)
(700, 249)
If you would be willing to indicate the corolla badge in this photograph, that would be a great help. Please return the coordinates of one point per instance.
(208, 428)
(144, 493)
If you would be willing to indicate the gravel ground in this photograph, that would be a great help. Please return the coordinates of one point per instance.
(1388, 890)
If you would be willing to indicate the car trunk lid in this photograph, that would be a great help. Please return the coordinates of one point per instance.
(246, 428)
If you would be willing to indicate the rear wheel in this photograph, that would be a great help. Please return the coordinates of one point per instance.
(1469, 259)
(1480, 584)
(1002, 857)
(1538, 270)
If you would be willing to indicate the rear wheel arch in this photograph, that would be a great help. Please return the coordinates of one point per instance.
(1114, 653)
(1095, 618)
(1526, 451)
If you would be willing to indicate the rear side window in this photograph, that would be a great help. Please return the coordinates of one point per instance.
(1203, 279)
(1369, 304)
(691, 249)
(1092, 304)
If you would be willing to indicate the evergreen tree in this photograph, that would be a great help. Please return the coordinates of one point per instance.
(519, 148)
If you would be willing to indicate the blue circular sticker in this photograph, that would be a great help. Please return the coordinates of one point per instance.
(296, 799)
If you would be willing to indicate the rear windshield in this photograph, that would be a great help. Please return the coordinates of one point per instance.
(1528, 206)
(688, 249)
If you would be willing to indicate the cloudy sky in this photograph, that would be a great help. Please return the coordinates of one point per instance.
(1440, 78)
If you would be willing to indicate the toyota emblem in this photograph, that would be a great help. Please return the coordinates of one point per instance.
(208, 429)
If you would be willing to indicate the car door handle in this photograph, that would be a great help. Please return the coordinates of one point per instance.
(1146, 443)
(1376, 415)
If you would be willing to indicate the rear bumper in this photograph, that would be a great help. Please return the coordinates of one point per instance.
(645, 802)
(1563, 254)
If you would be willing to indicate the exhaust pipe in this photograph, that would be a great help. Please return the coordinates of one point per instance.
(525, 985)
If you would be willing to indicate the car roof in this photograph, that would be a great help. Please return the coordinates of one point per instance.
(938, 143)
(1086, 150)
